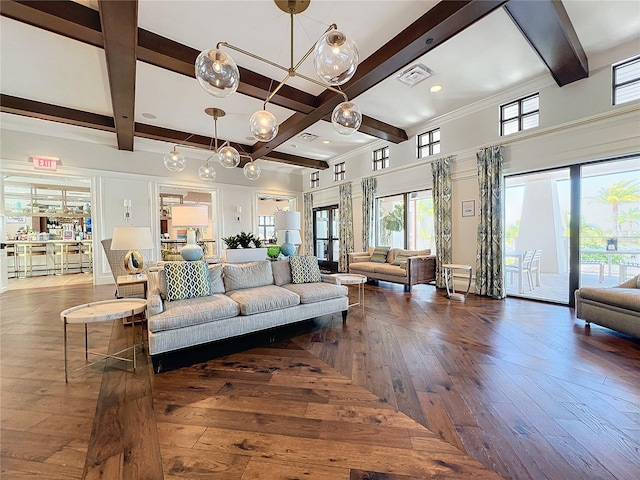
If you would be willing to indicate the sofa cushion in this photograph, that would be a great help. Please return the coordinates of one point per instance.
(368, 267)
(195, 311)
(395, 252)
(281, 272)
(187, 280)
(263, 299)
(387, 269)
(628, 298)
(304, 269)
(316, 292)
(247, 275)
(380, 254)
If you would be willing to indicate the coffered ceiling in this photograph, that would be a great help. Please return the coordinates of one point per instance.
(121, 72)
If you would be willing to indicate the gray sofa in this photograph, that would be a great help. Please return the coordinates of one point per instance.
(419, 266)
(245, 298)
(617, 307)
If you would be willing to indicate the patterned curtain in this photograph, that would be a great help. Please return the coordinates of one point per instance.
(346, 226)
(442, 213)
(489, 274)
(307, 215)
(369, 185)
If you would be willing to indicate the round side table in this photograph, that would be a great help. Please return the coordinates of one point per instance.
(448, 270)
(353, 279)
(103, 312)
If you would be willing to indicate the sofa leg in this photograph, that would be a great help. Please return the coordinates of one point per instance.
(157, 364)
(344, 316)
(407, 288)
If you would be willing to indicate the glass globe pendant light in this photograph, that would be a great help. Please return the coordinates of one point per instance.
(217, 73)
(252, 170)
(336, 58)
(206, 172)
(229, 157)
(174, 160)
(346, 118)
(263, 126)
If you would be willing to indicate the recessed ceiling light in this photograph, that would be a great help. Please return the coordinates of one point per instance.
(436, 88)
(326, 141)
(149, 115)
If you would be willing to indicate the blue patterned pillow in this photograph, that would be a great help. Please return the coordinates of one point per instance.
(187, 280)
(304, 269)
(380, 254)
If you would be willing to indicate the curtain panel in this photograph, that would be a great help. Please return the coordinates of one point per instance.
(307, 214)
(442, 215)
(345, 241)
(489, 271)
(369, 186)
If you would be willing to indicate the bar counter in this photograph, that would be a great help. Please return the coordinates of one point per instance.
(47, 257)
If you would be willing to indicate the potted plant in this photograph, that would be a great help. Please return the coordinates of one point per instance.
(243, 247)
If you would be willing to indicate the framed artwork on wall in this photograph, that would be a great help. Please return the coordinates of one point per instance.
(468, 208)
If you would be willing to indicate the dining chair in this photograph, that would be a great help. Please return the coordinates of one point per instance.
(533, 272)
(521, 269)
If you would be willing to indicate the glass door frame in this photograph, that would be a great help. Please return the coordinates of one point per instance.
(328, 263)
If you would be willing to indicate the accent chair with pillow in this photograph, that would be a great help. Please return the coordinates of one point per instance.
(396, 265)
(616, 307)
(192, 303)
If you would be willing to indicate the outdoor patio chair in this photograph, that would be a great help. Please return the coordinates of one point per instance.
(533, 272)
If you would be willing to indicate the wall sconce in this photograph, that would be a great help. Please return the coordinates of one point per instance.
(127, 210)
(238, 212)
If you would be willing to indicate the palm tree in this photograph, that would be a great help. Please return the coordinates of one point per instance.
(625, 191)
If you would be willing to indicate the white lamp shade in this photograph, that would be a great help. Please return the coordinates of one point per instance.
(132, 238)
(196, 216)
(294, 236)
(287, 220)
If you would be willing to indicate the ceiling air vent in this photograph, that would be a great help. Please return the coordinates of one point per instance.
(307, 137)
(415, 74)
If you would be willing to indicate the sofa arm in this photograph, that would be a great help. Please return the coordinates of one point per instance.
(329, 278)
(631, 283)
(355, 257)
(154, 305)
(421, 269)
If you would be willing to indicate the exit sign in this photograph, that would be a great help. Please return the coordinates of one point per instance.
(45, 163)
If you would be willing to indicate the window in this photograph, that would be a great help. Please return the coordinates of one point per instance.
(429, 143)
(405, 221)
(380, 158)
(626, 81)
(338, 172)
(266, 227)
(519, 115)
(315, 179)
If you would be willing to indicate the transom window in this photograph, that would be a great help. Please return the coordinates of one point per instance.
(520, 115)
(380, 158)
(315, 179)
(429, 143)
(339, 170)
(626, 81)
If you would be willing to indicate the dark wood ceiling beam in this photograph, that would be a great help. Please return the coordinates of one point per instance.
(547, 27)
(438, 25)
(177, 137)
(120, 28)
(66, 18)
(54, 113)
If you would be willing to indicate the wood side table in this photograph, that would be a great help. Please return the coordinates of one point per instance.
(103, 312)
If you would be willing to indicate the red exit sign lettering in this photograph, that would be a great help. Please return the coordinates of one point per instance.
(45, 163)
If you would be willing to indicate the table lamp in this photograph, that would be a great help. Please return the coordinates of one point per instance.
(289, 222)
(192, 217)
(132, 239)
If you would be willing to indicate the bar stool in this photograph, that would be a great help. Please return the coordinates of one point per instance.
(61, 251)
(23, 251)
(86, 249)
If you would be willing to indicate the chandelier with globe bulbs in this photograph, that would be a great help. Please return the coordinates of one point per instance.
(226, 155)
(335, 59)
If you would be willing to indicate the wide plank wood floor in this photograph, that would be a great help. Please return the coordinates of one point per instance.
(420, 387)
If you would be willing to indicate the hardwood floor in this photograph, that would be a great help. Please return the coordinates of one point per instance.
(521, 387)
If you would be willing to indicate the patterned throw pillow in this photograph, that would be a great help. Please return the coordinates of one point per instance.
(380, 254)
(402, 258)
(304, 269)
(187, 280)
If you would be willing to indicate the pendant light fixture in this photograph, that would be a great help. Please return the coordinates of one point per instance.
(174, 160)
(335, 60)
